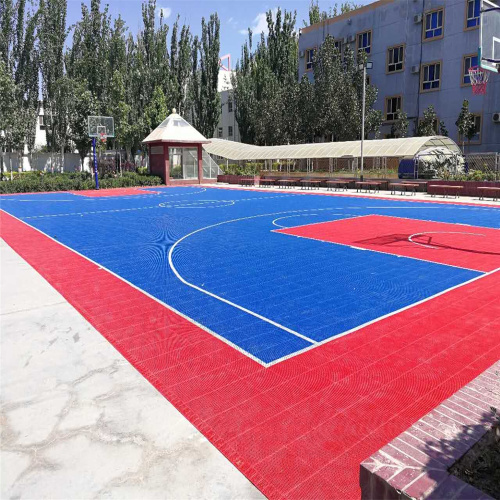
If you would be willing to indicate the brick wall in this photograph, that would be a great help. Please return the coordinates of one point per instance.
(415, 464)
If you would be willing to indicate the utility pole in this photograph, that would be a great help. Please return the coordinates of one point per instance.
(364, 66)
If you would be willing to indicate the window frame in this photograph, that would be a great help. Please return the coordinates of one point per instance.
(220, 132)
(306, 52)
(386, 102)
(358, 48)
(466, 18)
(430, 12)
(229, 105)
(463, 75)
(230, 131)
(430, 63)
(401, 45)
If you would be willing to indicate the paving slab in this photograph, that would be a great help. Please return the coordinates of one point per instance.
(78, 421)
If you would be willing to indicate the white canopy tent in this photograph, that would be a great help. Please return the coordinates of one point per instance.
(397, 148)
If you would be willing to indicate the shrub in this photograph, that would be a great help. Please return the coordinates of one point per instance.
(74, 181)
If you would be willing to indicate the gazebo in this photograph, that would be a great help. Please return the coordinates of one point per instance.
(175, 151)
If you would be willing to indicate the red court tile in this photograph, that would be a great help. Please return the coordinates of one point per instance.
(453, 244)
(298, 429)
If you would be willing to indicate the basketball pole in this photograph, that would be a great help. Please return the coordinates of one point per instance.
(96, 171)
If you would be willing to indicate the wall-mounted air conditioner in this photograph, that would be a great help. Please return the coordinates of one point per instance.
(302, 54)
(496, 117)
(344, 40)
(417, 18)
(415, 69)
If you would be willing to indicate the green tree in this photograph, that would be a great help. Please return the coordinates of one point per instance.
(52, 35)
(82, 105)
(427, 126)
(465, 124)
(157, 109)
(316, 15)
(400, 126)
(209, 99)
(442, 129)
(338, 94)
(264, 82)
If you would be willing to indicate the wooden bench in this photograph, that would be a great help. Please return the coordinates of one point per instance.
(367, 185)
(337, 184)
(447, 190)
(247, 181)
(489, 192)
(267, 182)
(286, 183)
(403, 187)
(310, 183)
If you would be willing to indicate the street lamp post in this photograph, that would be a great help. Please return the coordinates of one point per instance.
(363, 66)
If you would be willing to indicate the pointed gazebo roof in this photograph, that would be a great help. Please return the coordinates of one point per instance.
(175, 129)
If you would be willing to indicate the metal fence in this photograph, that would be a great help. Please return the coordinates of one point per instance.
(485, 165)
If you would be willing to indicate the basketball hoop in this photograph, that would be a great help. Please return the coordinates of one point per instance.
(478, 79)
(103, 137)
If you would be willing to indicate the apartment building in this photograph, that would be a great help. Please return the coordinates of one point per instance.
(421, 52)
(227, 128)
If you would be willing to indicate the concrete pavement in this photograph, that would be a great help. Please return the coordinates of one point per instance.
(78, 421)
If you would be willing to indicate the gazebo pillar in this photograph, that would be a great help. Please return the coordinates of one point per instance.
(166, 164)
(200, 164)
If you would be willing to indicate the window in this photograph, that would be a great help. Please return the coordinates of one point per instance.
(395, 58)
(368, 80)
(431, 77)
(229, 105)
(41, 120)
(230, 131)
(338, 45)
(433, 26)
(469, 61)
(472, 15)
(309, 59)
(220, 133)
(364, 42)
(392, 108)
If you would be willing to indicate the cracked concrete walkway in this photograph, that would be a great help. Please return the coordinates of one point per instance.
(78, 421)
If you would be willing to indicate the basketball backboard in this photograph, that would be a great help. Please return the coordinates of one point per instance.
(489, 37)
(99, 125)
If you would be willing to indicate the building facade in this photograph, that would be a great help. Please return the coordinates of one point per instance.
(421, 52)
(227, 128)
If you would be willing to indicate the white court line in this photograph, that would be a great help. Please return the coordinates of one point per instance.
(380, 318)
(199, 325)
(218, 297)
(239, 349)
(288, 216)
(436, 232)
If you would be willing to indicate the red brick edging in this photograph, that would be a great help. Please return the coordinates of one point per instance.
(415, 464)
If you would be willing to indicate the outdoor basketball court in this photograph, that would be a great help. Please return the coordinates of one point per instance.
(298, 332)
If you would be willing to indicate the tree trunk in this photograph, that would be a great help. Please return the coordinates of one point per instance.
(62, 159)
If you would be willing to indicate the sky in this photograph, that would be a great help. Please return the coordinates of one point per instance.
(236, 16)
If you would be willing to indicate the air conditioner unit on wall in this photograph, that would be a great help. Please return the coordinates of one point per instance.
(496, 117)
(417, 18)
(415, 69)
(301, 54)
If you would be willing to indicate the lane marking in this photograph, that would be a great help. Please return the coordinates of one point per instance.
(436, 232)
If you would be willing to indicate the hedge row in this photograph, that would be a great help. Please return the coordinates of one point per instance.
(32, 182)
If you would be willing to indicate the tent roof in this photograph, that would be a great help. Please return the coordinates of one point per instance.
(175, 129)
(407, 147)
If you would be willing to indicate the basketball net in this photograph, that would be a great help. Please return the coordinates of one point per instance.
(103, 137)
(478, 79)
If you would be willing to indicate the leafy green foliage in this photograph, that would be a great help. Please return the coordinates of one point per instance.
(465, 123)
(400, 127)
(41, 182)
(316, 15)
(427, 126)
